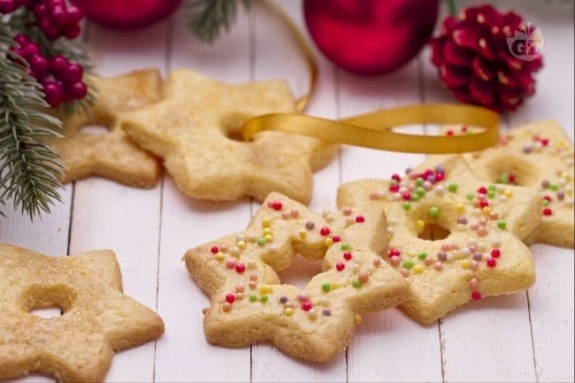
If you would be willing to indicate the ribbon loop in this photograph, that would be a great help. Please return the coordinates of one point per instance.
(375, 130)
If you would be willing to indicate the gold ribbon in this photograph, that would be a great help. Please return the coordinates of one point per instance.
(374, 130)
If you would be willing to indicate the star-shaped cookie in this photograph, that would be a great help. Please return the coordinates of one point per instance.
(250, 304)
(196, 129)
(97, 319)
(537, 155)
(111, 154)
(453, 237)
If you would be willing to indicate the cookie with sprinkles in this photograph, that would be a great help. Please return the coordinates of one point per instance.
(249, 303)
(538, 155)
(454, 238)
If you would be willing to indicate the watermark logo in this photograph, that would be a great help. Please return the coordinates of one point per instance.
(526, 43)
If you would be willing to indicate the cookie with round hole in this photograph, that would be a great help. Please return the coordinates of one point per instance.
(250, 304)
(454, 238)
(93, 143)
(97, 319)
(196, 130)
(538, 155)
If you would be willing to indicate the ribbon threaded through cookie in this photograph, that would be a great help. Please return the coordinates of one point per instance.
(374, 130)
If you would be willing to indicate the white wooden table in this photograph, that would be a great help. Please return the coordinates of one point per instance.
(525, 337)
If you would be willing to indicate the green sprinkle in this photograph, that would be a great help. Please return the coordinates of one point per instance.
(326, 286)
(553, 187)
(356, 283)
(420, 191)
(434, 211)
(253, 298)
(407, 264)
(406, 206)
(502, 225)
(452, 187)
(545, 202)
(490, 194)
(261, 241)
(345, 246)
(264, 298)
(492, 187)
(422, 256)
(419, 181)
(415, 197)
(469, 196)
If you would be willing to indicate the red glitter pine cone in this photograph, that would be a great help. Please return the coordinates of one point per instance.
(488, 58)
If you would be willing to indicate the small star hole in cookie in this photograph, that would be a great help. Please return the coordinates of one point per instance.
(250, 304)
(454, 238)
(93, 143)
(90, 317)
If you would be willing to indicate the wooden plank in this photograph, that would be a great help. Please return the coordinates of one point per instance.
(184, 354)
(121, 218)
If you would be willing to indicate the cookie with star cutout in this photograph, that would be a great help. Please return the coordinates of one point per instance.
(196, 130)
(110, 154)
(454, 238)
(538, 155)
(97, 319)
(250, 304)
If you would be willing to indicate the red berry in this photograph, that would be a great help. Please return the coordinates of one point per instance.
(72, 74)
(75, 15)
(58, 64)
(38, 65)
(72, 32)
(53, 93)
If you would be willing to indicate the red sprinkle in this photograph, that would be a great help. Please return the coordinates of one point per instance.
(491, 262)
(495, 253)
(306, 306)
(359, 218)
(214, 249)
(324, 231)
(240, 268)
(396, 177)
(476, 295)
(276, 205)
(394, 252)
(347, 255)
(230, 298)
(340, 266)
(335, 239)
(482, 190)
(547, 212)
(394, 188)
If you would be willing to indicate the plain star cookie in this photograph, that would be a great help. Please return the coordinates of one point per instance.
(110, 155)
(249, 303)
(97, 319)
(537, 155)
(454, 238)
(196, 129)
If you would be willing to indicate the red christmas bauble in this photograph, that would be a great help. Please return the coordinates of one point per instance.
(126, 14)
(370, 37)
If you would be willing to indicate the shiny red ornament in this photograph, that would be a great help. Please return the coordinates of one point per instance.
(126, 14)
(488, 58)
(370, 37)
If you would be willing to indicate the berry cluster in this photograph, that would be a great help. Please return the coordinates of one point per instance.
(56, 18)
(61, 79)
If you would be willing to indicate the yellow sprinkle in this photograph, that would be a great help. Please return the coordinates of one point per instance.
(266, 222)
(508, 193)
(465, 264)
(241, 244)
(357, 319)
(302, 234)
(267, 230)
(335, 285)
(417, 269)
(269, 238)
(460, 207)
(487, 210)
(420, 225)
(288, 311)
(265, 289)
(328, 241)
(220, 256)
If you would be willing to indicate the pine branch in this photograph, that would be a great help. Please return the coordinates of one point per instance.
(210, 18)
(29, 169)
